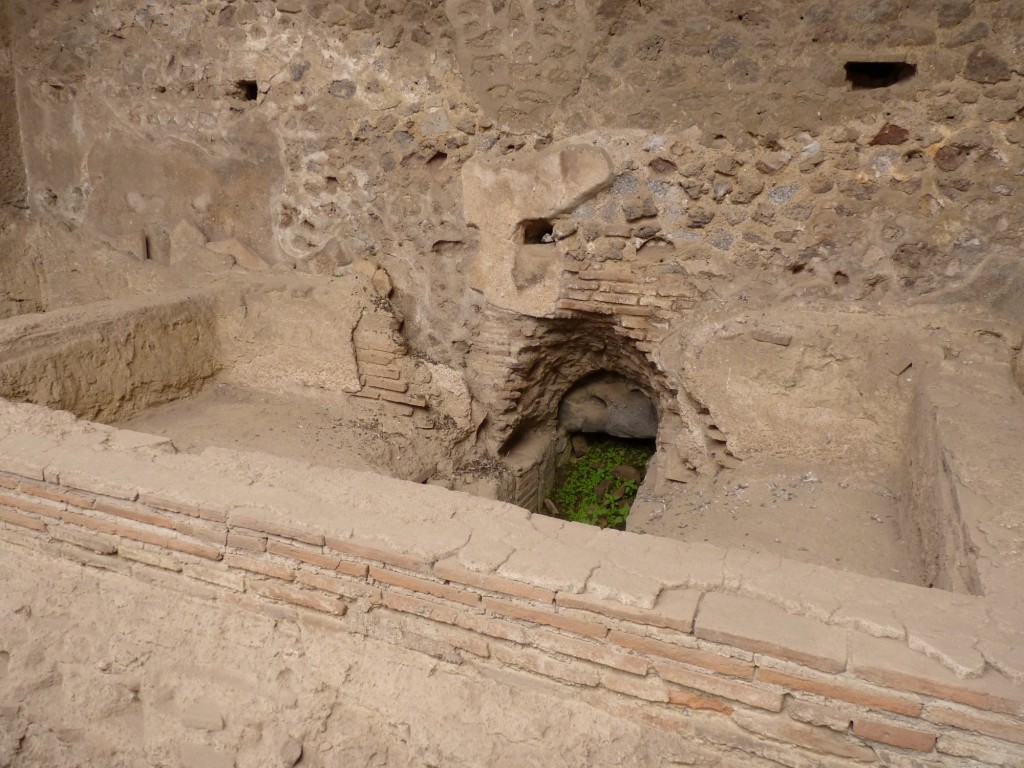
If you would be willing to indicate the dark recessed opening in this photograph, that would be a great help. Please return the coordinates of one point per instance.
(878, 74)
(537, 231)
(147, 248)
(246, 90)
(437, 160)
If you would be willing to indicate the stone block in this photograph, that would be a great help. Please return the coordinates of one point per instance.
(757, 626)
(893, 734)
(842, 689)
(549, 618)
(894, 665)
(693, 656)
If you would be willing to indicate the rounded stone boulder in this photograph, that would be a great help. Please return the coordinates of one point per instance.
(615, 407)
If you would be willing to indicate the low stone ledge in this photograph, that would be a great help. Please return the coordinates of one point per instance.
(673, 609)
(762, 628)
(894, 665)
(894, 734)
(842, 690)
(450, 570)
(998, 727)
(698, 646)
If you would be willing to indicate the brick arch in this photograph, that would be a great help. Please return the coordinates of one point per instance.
(520, 368)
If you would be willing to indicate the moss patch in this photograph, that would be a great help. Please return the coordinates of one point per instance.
(600, 487)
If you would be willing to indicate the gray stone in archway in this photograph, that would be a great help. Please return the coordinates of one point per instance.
(618, 408)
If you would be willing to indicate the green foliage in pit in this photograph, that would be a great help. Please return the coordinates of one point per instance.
(589, 492)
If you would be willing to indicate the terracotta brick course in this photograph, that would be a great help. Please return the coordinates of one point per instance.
(10, 482)
(169, 542)
(894, 735)
(304, 598)
(373, 356)
(202, 532)
(681, 619)
(378, 371)
(851, 691)
(598, 653)
(636, 311)
(537, 616)
(257, 520)
(398, 399)
(419, 607)
(55, 493)
(29, 504)
(694, 656)
(192, 510)
(138, 514)
(985, 751)
(94, 523)
(313, 556)
(391, 385)
(617, 287)
(23, 521)
(211, 574)
(370, 552)
(990, 725)
(416, 584)
(607, 297)
(646, 688)
(736, 690)
(253, 542)
(499, 628)
(892, 664)
(145, 556)
(819, 714)
(678, 697)
(99, 543)
(449, 570)
(259, 565)
(339, 586)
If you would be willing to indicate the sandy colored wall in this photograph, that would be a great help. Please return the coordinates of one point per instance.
(111, 360)
(748, 655)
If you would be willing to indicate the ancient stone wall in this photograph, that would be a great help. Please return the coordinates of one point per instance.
(328, 132)
(745, 654)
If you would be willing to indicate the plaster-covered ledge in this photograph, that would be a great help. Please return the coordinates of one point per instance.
(444, 534)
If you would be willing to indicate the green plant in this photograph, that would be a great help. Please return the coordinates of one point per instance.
(590, 491)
